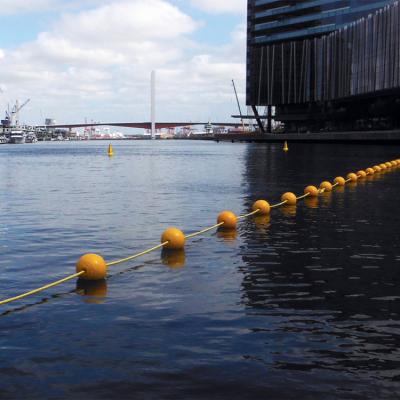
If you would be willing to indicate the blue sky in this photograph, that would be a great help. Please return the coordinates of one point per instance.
(93, 58)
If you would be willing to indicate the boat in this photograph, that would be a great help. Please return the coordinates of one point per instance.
(17, 136)
(3, 139)
(31, 137)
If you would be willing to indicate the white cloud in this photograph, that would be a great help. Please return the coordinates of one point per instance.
(9, 7)
(221, 6)
(97, 64)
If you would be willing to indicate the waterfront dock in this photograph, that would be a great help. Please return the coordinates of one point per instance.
(360, 137)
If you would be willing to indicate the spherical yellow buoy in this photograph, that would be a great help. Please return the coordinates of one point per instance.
(175, 238)
(326, 186)
(352, 176)
(370, 171)
(340, 181)
(383, 166)
(263, 207)
(377, 168)
(94, 266)
(312, 191)
(290, 198)
(228, 218)
(388, 164)
(394, 163)
(361, 174)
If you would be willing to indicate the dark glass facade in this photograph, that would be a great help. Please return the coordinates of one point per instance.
(325, 64)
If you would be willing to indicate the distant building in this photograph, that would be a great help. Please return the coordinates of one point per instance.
(325, 64)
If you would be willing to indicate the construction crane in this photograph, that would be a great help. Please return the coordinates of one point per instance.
(14, 117)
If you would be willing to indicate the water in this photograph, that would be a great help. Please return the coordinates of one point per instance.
(302, 306)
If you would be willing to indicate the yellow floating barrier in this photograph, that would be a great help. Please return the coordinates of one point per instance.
(93, 267)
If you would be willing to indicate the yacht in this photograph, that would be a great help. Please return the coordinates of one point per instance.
(17, 136)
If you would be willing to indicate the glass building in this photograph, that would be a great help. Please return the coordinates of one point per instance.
(325, 64)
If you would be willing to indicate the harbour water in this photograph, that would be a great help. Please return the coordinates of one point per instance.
(304, 305)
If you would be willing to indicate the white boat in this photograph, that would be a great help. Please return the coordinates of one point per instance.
(17, 137)
(3, 140)
(31, 137)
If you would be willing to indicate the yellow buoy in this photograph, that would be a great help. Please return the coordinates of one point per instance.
(326, 186)
(228, 218)
(175, 237)
(377, 168)
(312, 191)
(262, 206)
(340, 181)
(370, 171)
(110, 150)
(361, 174)
(94, 266)
(352, 176)
(285, 146)
(290, 198)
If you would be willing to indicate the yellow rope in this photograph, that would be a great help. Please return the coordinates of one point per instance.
(304, 196)
(279, 204)
(50, 285)
(249, 214)
(348, 180)
(192, 235)
(336, 184)
(122, 260)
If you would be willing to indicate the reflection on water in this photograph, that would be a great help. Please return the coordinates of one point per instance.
(228, 235)
(303, 303)
(173, 258)
(95, 291)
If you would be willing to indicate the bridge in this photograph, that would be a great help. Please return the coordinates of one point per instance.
(141, 125)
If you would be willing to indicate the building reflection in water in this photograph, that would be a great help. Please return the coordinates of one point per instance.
(328, 275)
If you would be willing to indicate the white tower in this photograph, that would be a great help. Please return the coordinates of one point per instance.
(153, 104)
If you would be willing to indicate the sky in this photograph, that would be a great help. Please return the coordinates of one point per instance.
(92, 59)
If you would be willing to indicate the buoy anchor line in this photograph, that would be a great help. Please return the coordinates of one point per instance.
(93, 267)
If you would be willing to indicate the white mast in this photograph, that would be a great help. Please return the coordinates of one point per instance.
(153, 104)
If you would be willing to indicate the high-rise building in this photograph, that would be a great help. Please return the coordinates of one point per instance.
(325, 64)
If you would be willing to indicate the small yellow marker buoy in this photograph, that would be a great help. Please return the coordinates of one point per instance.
(340, 181)
(326, 186)
(377, 168)
(228, 218)
(290, 198)
(110, 150)
(175, 237)
(311, 190)
(94, 266)
(262, 206)
(352, 176)
(285, 146)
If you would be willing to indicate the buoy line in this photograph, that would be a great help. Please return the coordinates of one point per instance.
(93, 266)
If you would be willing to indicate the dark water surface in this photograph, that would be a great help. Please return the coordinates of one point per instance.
(302, 306)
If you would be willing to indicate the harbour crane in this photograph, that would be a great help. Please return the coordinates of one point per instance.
(14, 117)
